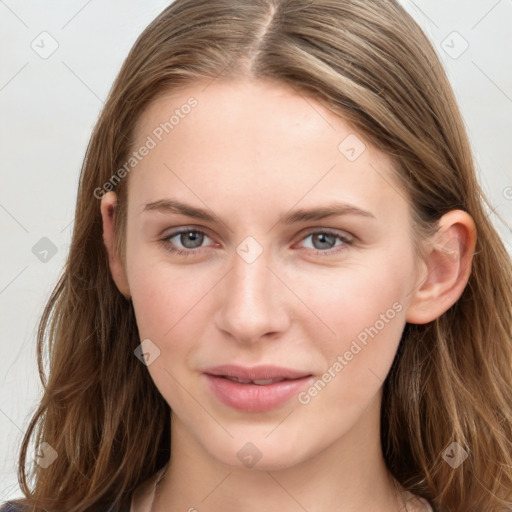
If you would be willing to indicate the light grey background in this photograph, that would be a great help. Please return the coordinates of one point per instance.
(49, 105)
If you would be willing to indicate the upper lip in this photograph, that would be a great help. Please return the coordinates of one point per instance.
(256, 372)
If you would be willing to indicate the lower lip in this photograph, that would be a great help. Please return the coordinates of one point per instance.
(254, 398)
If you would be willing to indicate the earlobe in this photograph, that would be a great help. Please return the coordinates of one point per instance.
(108, 212)
(447, 268)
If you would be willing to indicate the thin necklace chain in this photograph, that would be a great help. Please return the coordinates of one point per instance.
(157, 484)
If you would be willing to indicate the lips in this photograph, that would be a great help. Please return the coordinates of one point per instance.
(256, 373)
(255, 389)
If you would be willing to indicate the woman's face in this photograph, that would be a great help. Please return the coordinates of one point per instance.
(266, 277)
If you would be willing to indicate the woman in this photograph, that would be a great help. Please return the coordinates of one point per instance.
(207, 350)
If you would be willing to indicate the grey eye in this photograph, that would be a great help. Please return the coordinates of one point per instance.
(191, 239)
(325, 240)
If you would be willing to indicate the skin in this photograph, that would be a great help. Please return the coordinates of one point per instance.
(250, 152)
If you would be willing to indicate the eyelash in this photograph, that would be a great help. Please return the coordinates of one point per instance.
(347, 242)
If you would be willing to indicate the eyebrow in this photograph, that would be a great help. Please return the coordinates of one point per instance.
(302, 215)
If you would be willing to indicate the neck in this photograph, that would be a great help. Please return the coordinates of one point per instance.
(349, 475)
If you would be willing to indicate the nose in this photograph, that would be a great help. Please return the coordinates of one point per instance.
(254, 302)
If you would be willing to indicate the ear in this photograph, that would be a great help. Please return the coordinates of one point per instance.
(108, 214)
(447, 267)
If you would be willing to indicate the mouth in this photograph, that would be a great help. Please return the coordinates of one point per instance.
(256, 374)
(259, 382)
(256, 389)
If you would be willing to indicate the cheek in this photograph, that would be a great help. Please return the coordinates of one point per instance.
(168, 299)
(152, 297)
(356, 361)
(363, 311)
(167, 302)
(163, 298)
(351, 298)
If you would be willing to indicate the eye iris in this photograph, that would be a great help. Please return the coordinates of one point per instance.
(191, 237)
(322, 236)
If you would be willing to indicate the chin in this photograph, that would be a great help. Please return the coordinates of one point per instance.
(262, 455)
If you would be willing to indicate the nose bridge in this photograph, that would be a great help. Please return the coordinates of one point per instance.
(252, 305)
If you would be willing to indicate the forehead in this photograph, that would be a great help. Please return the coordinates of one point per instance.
(259, 141)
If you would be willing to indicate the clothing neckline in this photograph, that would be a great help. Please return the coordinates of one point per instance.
(144, 495)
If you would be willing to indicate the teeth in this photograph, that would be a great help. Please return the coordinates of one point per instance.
(267, 381)
(236, 379)
(260, 382)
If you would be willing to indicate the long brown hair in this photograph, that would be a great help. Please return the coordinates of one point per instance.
(369, 62)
